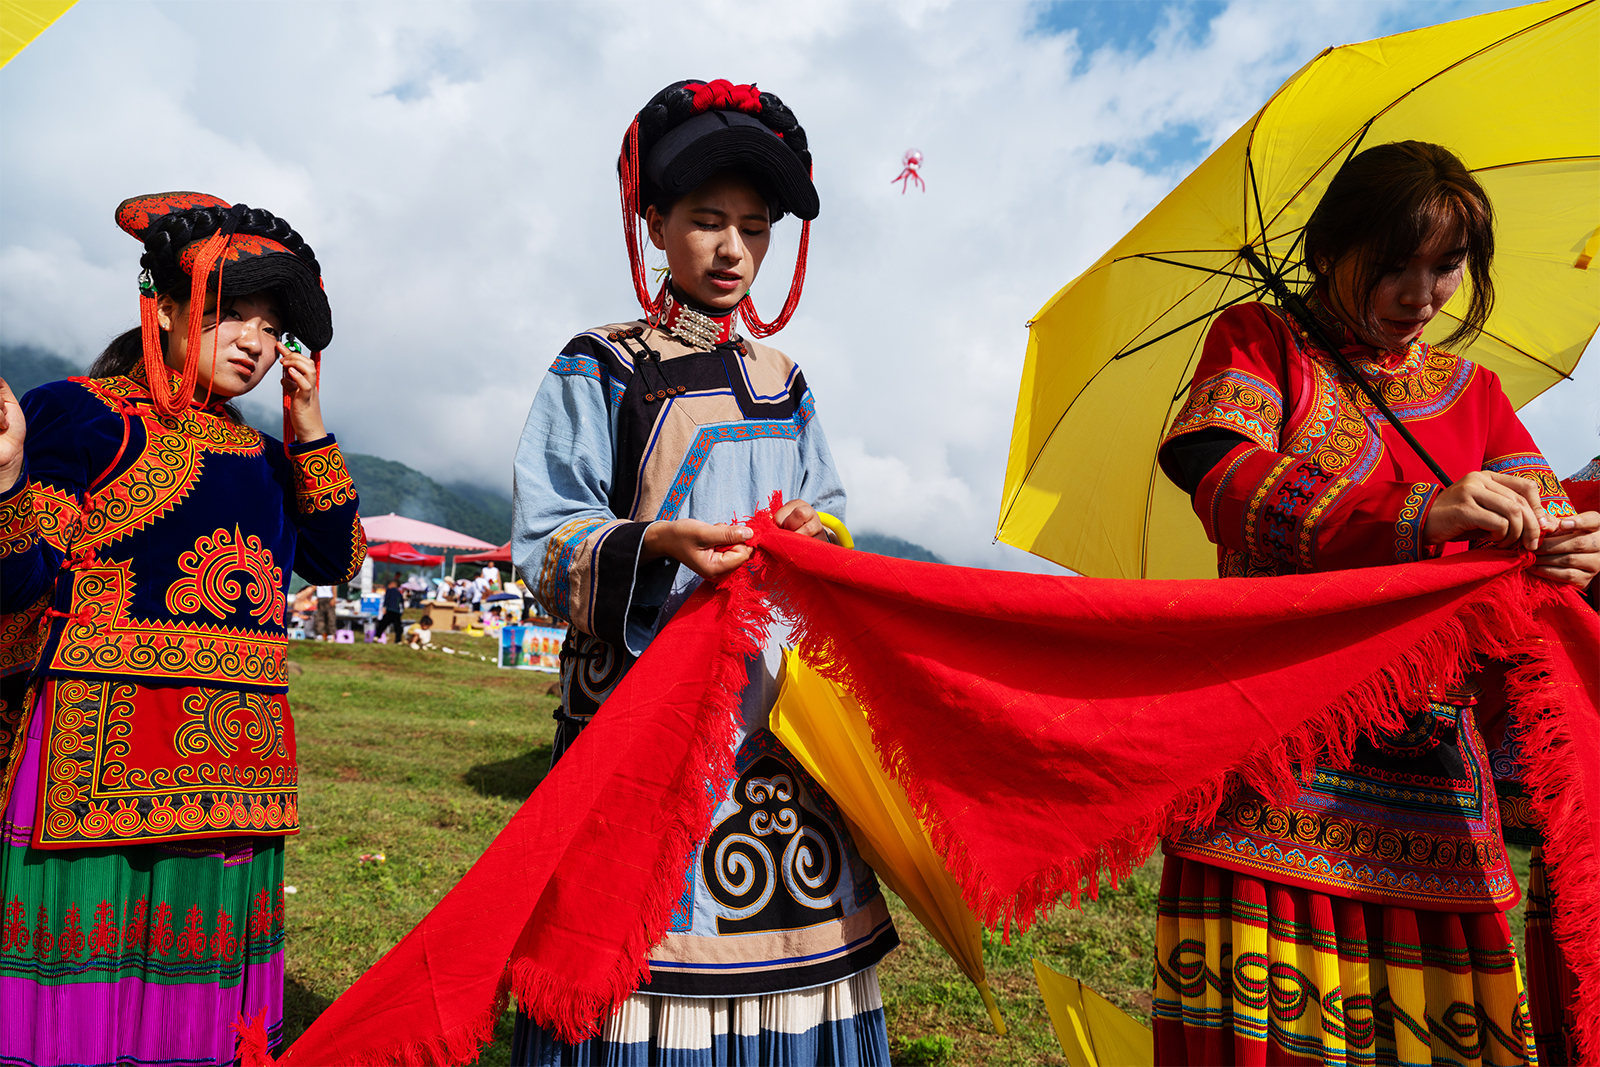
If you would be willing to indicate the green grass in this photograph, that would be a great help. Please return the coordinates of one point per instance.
(423, 757)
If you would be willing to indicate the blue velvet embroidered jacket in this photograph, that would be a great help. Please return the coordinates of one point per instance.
(145, 561)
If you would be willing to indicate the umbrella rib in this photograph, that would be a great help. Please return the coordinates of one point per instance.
(1519, 351)
(1179, 329)
(1441, 72)
(1034, 462)
(1192, 266)
(1534, 163)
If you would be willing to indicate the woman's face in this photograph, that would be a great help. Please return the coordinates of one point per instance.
(1408, 295)
(246, 335)
(715, 238)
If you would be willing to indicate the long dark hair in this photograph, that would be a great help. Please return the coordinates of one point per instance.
(126, 351)
(1383, 204)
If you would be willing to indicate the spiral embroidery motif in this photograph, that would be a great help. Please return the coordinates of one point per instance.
(771, 841)
(209, 586)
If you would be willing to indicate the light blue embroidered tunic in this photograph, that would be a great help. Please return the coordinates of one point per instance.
(632, 426)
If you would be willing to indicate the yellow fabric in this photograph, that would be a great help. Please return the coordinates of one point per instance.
(23, 20)
(1293, 984)
(826, 730)
(1092, 1030)
(1515, 93)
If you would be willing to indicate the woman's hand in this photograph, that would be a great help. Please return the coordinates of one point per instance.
(300, 386)
(13, 431)
(1572, 553)
(709, 550)
(1503, 506)
(799, 517)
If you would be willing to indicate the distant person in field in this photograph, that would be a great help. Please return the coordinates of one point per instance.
(645, 439)
(326, 620)
(150, 609)
(393, 609)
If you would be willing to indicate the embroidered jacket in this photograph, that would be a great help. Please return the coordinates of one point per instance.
(144, 563)
(631, 427)
(1320, 481)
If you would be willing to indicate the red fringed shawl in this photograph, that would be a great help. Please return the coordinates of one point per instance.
(1048, 729)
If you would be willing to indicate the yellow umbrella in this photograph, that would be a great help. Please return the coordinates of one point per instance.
(23, 20)
(1515, 93)
(826, 730)
(1093, 1031)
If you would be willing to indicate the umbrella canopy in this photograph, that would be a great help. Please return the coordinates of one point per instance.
(494, 555)
(392, 527)
(400, 552)
(1516, 94)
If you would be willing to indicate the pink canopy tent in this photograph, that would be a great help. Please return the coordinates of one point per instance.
(494, 555)
(392, 527)
(400, 552)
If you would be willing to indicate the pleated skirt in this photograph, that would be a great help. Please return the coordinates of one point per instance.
(134, 956)
(1256, 972)
(839, 1024)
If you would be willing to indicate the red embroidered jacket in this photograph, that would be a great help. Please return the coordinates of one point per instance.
(143, 566)
(1319, 481)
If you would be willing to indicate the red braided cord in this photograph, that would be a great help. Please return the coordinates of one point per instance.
(747, 308)
(628, 179)
(161, 397)
(150, 334)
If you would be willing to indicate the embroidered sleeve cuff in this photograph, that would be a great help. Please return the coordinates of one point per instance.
(19, 523)
(1532, 466)
(1412, 518)
(321, 480)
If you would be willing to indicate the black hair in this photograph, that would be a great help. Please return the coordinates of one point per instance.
(676, 104)
(1383, 204)
(169, 234)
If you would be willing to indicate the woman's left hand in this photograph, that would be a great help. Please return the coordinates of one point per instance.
(799, 517)
(1572, 553)
(305, 404)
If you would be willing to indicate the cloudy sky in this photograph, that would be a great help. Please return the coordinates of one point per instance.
(453, 166)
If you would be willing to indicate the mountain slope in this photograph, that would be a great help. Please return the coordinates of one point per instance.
(898, 547)
(387, 486)
(27, 367)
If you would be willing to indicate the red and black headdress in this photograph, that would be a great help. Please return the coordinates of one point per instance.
(691, 130)
(201, 243)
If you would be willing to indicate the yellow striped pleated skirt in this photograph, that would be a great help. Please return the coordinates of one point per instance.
(1257, 972)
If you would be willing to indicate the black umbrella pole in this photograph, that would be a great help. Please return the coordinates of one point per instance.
(1297, 307)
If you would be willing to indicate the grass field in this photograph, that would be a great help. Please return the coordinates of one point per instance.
(422, 758)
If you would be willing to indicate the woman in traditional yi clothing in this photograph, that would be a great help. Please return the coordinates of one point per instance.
(146, 541)
(648, 440)
(1363, 922)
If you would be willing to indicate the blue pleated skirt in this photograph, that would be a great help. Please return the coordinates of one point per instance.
(840, 1025)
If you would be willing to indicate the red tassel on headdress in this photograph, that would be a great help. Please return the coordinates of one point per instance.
(162, 398)
(628, 179)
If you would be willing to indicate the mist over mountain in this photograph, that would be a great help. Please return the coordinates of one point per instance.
(385, 485)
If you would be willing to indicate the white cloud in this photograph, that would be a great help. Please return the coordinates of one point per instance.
(453, 165)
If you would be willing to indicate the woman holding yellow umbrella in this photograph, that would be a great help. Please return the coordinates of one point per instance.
(1365, 918)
